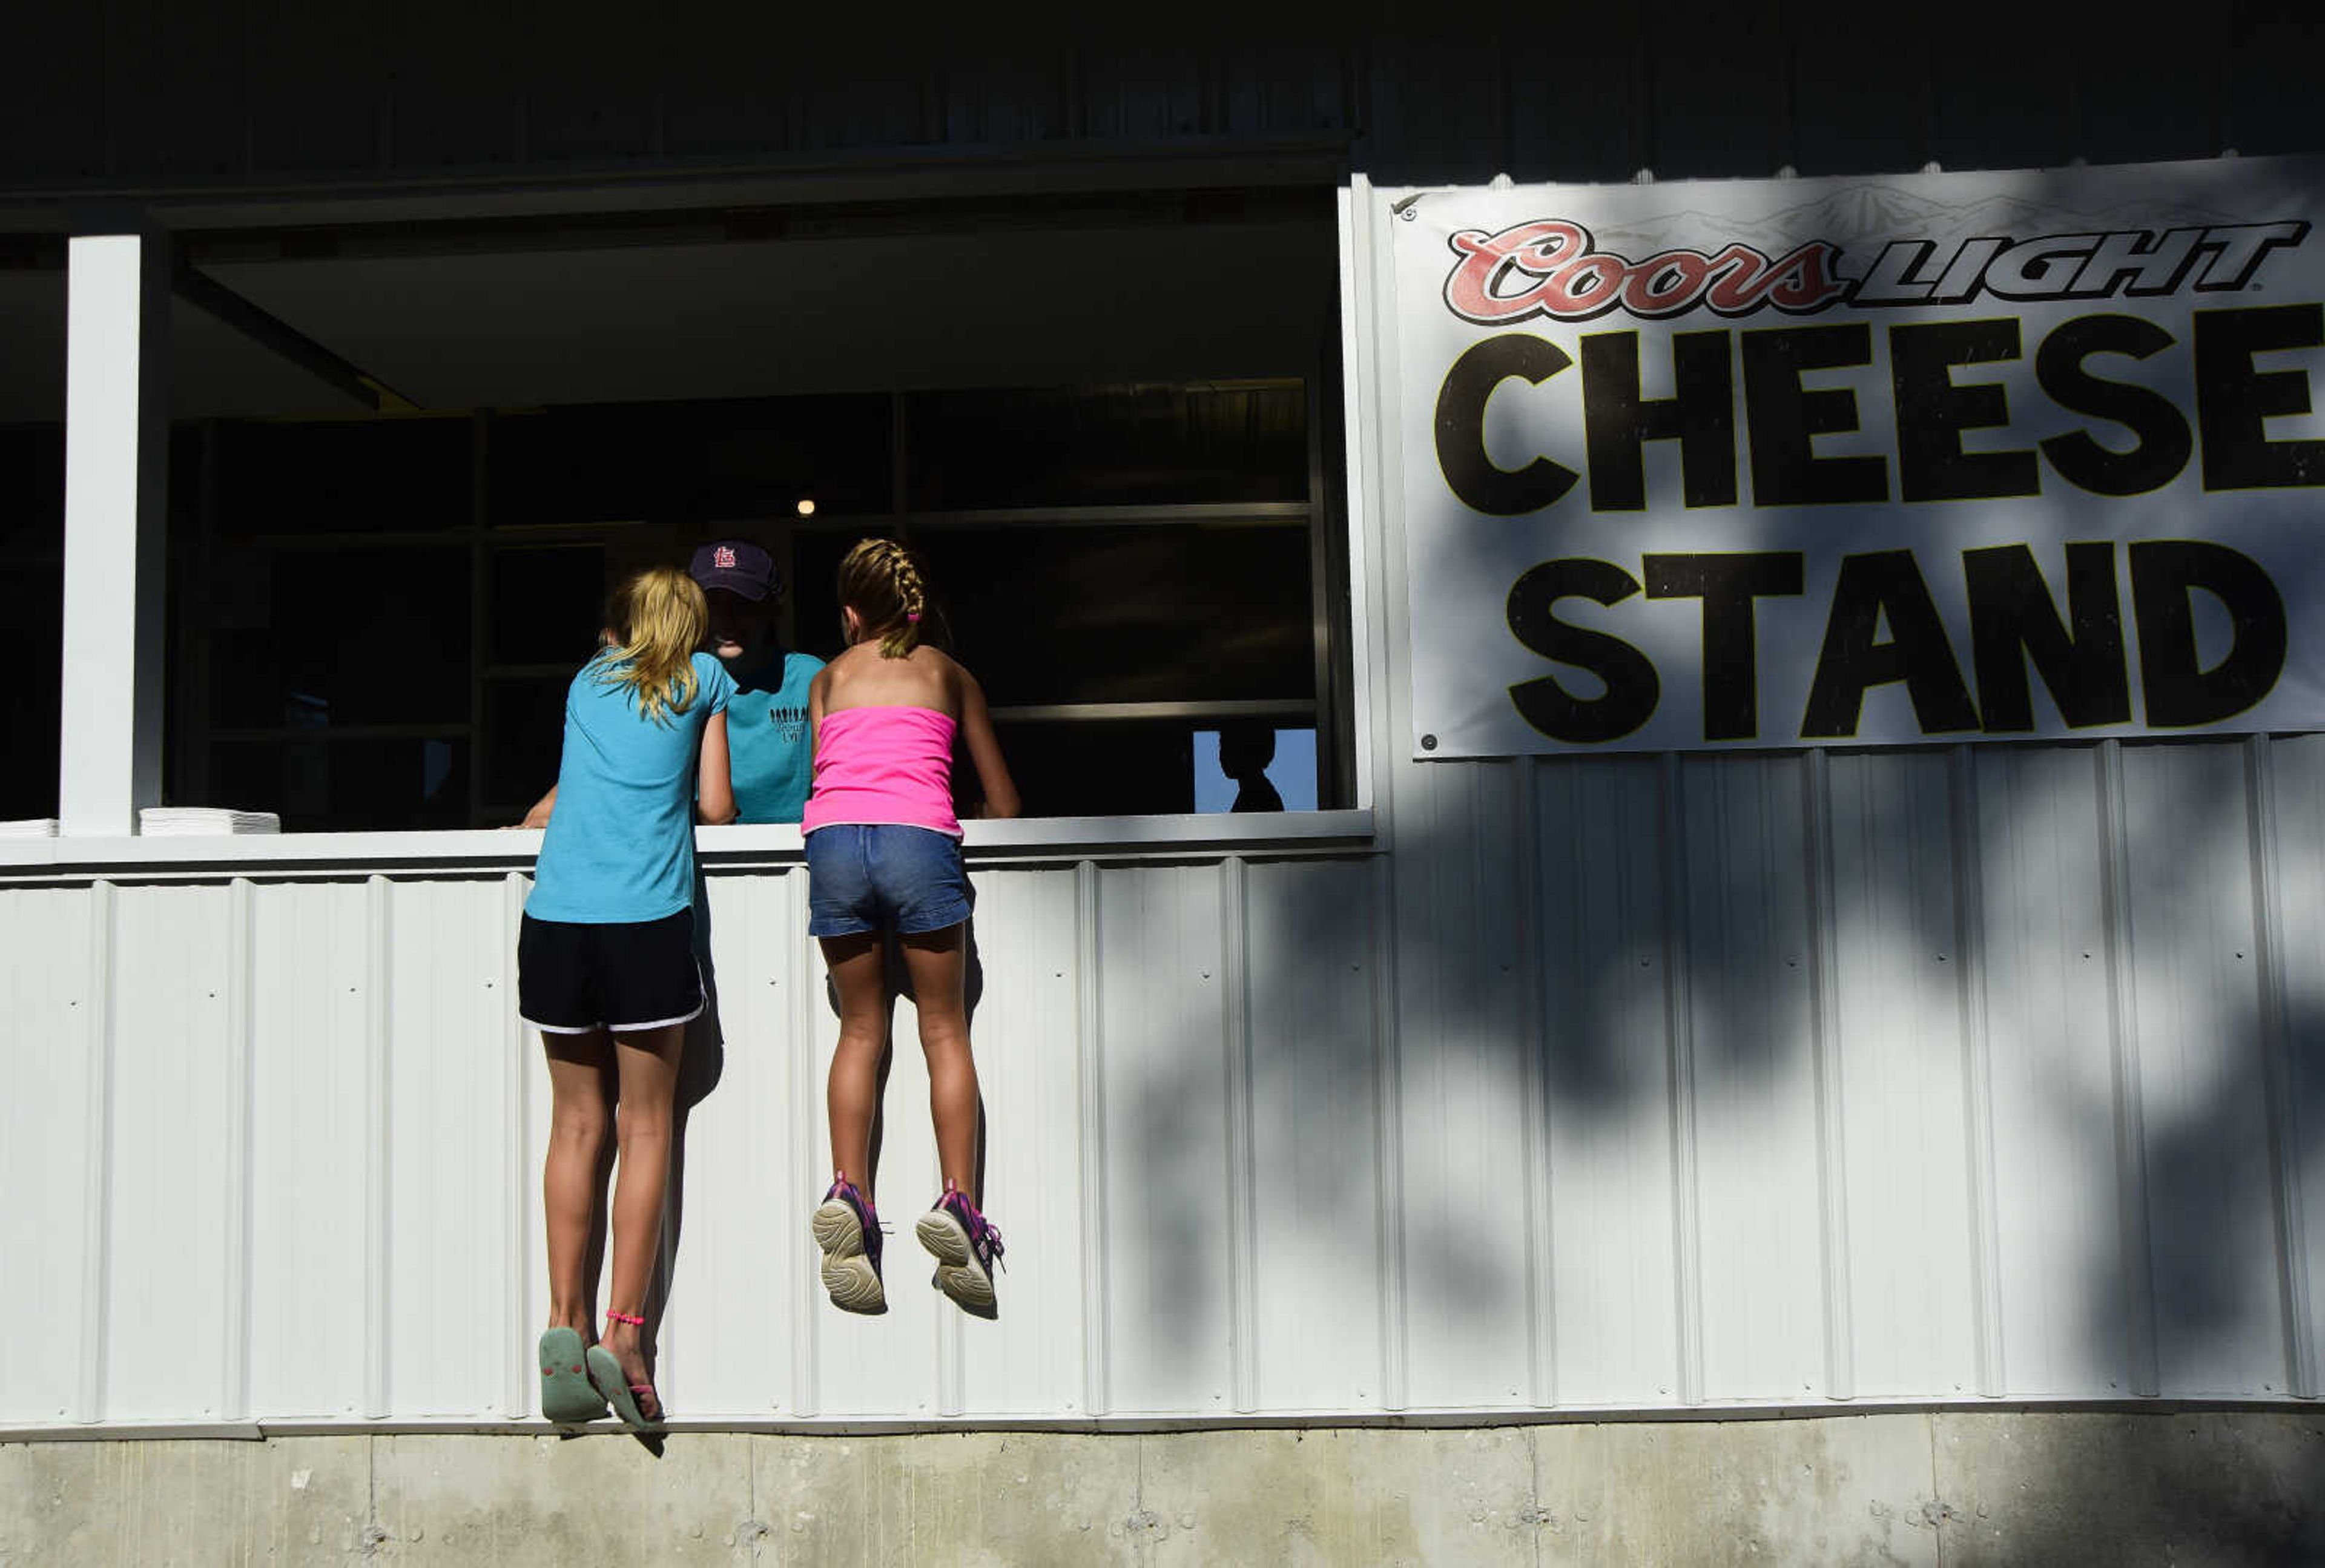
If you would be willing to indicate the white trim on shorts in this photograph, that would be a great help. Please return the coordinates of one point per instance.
(615, 1028)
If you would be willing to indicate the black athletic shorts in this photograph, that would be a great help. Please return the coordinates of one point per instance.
(571, 977)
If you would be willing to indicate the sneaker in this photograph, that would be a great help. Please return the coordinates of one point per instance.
(847, 1229)
(966, 1246)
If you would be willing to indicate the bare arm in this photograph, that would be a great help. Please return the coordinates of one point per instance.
(714, 788)
(818, 692)
(539, 816)
(984, 750)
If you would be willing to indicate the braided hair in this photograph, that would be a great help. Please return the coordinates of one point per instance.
(881, 582)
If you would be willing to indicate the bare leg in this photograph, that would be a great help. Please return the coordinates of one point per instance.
(648, 1062)
(578, 1120)
(937, 962)
(852, 1093)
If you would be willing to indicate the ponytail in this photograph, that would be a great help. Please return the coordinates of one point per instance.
(881, 582)
(660, 615)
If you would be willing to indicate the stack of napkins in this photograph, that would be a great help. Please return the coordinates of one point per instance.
(203, 821)
(30, 828)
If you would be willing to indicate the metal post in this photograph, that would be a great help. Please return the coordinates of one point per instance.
(116, 456)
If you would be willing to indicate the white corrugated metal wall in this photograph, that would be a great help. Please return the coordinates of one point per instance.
(1633, 1082)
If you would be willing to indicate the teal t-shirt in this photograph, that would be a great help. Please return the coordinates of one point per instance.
(769, 746)
(620, 842)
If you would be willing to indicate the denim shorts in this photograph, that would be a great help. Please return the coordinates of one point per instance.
(862, 879)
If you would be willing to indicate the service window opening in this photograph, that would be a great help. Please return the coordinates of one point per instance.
(410, 461)
(33, 527)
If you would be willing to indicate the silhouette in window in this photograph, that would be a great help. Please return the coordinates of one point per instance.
(1245, 751)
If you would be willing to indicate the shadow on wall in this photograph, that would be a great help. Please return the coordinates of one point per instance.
(1549, 935)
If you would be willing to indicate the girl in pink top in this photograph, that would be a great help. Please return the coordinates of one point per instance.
(883, 856)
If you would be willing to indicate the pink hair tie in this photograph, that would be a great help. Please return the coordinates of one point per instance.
(914, 616)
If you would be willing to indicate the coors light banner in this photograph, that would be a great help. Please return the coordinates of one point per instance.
(1864, 460)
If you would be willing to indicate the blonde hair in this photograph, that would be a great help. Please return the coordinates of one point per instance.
(660, 616)
(881, 582)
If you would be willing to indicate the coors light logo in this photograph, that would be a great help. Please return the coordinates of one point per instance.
(1556, 267)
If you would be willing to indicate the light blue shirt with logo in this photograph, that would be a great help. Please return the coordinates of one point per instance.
(619, 847)
(768, 741)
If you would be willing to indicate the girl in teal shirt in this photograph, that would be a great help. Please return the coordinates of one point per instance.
(605, 967)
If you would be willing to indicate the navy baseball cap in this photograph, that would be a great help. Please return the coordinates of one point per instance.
(737, 566)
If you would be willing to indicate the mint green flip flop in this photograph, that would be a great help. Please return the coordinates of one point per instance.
(567, 1394)
(606, 1372)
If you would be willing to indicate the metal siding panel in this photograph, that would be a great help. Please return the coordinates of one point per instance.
(310, 1100)
(2297, 768)
(992, 99)
(1905, 1136)
(1029, 1360)
(2196, 971)
(1711, 104)
(1856, 96)
(2047, 1008)
(1583, 130)
(886, 1365)
(174, 1068)
(533, 1114)
(522, 1239)
(450, 980)
(1614, 1275)
(1144, 95)
(1164, 1131)
(1463, 1028)
(50, 1059)
(316, 99)
(736, 1244)
(1425, 119)
(1755, 1093)
(1314, 1098)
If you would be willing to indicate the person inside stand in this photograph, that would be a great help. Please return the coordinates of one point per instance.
(1246, 749)
(766, 723)
(606, 967)
(767, 733)
(884, 854)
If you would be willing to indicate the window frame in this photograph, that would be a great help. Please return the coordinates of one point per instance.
(1341, 607)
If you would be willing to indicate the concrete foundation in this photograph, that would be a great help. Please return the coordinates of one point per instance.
(1988, 1487)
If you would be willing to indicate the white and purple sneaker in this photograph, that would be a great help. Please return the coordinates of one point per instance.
(966, 1246)
(847, 1229)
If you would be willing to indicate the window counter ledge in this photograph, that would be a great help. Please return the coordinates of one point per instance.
(489, 850)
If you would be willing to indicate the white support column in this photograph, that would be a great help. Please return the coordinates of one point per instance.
(116, 454)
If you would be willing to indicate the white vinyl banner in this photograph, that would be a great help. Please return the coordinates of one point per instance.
(1863, 461)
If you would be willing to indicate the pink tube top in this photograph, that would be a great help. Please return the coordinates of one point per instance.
(883, 766)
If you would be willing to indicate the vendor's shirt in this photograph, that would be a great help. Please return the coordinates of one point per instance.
(770, 749)
(620, 843)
